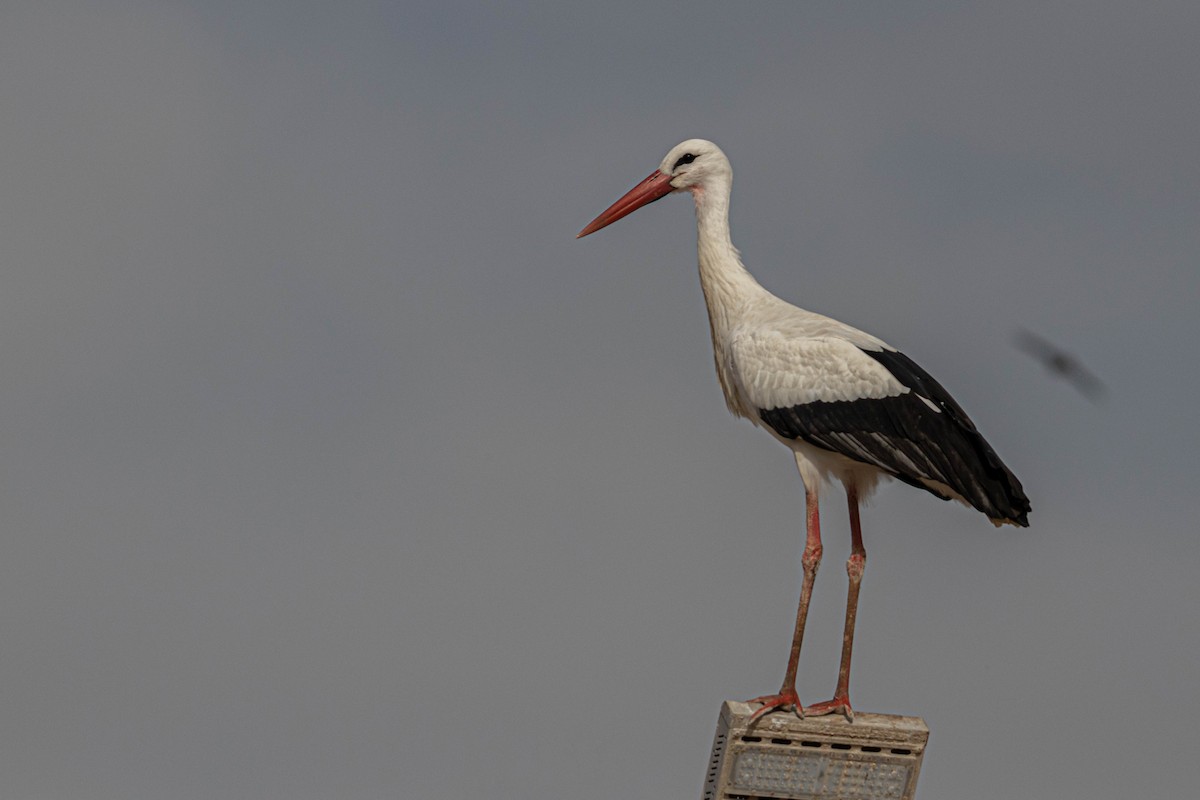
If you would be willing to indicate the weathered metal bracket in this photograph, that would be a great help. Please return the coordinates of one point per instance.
(783, 757)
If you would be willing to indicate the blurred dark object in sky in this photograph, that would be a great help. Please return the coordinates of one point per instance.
(1062, 364)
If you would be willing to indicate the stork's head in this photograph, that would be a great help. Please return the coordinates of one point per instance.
(693, 163)
(689, 166)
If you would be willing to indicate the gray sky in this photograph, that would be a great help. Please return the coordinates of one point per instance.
(333, 466)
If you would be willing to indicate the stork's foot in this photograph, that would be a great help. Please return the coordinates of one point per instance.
(786, 700)
(838, 705)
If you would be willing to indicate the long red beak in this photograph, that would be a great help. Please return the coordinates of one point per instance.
(657, 186)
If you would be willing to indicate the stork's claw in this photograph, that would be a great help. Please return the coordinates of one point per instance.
(784, 701)
(838, 705)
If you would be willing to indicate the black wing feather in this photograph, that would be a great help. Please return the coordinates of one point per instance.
(908, 439)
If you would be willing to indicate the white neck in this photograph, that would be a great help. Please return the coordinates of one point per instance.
(726, 283)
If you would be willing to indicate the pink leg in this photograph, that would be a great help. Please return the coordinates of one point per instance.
(840, 704)
(787, 699)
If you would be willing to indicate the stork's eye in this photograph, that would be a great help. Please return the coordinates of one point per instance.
(686, 158)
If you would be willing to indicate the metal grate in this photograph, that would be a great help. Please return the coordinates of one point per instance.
(714, 765)
(877, 757)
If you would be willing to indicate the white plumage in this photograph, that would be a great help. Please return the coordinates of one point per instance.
(851, 407)
(774, 369)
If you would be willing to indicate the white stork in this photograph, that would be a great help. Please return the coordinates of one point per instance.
(849, 405)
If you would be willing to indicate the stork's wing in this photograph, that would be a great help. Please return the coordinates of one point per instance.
(880, 408)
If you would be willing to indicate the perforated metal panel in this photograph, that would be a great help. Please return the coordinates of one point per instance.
(876, 757)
